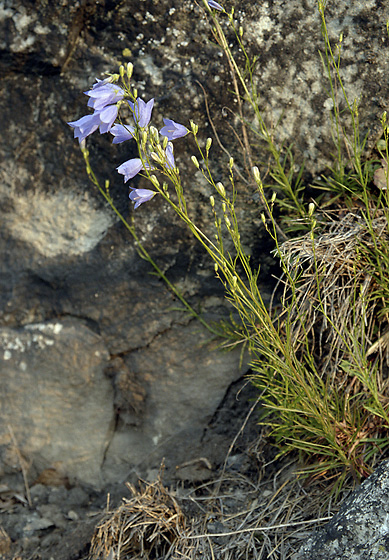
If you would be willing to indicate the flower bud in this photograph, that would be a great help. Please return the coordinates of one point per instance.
(195, 161)
(224, 207)
(164, 143)
(231, 163)
(155, 157)
(154, 180)
(208, 144)
(212, 201)
(263, 218)
(194, 127)
(256, 174)
(121, 71)
(154, 133)
(220, 189)
(234, 281)
(311, 209)
(130, 68)
(227, 220)
(144, 138)
(241, 31)
(273, 197)
(216, 267)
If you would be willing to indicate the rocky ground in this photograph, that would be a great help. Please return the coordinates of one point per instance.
(235, 484)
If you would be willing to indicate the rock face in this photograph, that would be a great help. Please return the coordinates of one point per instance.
(360, 531)
(100, 372)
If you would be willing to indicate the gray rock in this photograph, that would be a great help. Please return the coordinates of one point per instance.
(360, 530)
(55, 397)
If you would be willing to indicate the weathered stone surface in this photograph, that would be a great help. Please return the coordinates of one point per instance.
(183, 387)
(65, 257)
(360, 531)
(55, 399)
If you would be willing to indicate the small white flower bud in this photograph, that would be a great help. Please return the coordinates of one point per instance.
(231, 163)
(216, 267)
(154, 133)
(220, 189)
(273, 197)
(144, 138)
(241, 31)
(263, 218)
(256, 174)
(208, 144)
(227, 220)
(212, 201)
(224, 207)
(311, 209)
(121, 71)
(195, 161)
(155, 157)
(135, 92)
(164, 143)
(130, 68)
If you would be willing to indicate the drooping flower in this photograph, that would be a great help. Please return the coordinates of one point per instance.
(173, 130)
(132, 167)
(170, 163)
(85, 126)
(139, 196)
(142, 111)
(103, 95)
(122, 133)
(215, 5)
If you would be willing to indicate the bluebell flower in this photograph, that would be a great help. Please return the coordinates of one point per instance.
(170, 163)
(132, 167)
(103, 95)
(85, 126)
(142, 111)
(215, 5)
(139, 196)
(173, 130)
(122, 133)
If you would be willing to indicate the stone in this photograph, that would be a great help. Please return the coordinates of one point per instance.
(360, 530)
(55, 397)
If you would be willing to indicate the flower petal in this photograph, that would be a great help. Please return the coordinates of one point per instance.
(122, 133)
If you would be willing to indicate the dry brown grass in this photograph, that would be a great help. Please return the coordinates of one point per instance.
(229, 518)
(334, 286)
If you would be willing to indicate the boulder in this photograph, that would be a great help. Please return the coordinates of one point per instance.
(360, 530)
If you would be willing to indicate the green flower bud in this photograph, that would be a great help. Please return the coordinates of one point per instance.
(194, 127)
(154, 180)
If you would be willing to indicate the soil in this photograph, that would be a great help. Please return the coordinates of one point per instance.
(233, 482)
